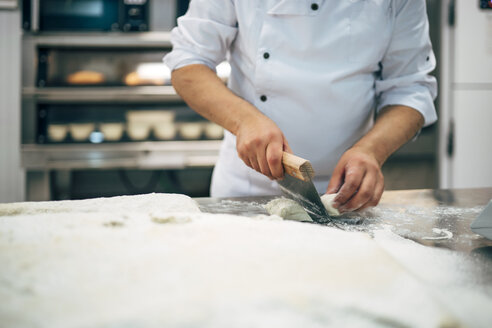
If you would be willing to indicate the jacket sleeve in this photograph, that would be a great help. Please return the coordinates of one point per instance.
(409, 59)
(203, 34)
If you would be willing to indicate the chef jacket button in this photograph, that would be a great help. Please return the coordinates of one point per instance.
(266, 55)
(263, 98)
(314, 6)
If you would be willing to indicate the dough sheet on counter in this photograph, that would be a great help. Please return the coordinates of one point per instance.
(157, 261)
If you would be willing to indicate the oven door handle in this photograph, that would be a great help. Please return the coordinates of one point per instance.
(30, 15)
(35, 15)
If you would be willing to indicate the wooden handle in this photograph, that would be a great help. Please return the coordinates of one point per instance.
(297, 167)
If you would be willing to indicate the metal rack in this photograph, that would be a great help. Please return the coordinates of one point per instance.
(39, 160)
(142, 155)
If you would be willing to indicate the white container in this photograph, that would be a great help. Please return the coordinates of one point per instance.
(165, 131)
(150, 116)
(213, 131)
(112, 131)
(138, 130)
(81, 131)
(191, 130)
(57, 132)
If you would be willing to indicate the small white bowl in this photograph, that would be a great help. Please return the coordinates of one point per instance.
(138, 130)
(112, 131)
(81, 131)
(165, 131)
(213, 131)
(191, 130)
(57, 132)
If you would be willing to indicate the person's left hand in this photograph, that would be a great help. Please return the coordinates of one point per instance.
(357, 179)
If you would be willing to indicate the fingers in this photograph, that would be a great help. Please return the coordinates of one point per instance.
(286, 147)
(261, 158)
(336, 179)
(352, 181)
(254, 164)
(357, 180)
(246, 153)
(269, 161)
(274, 160)
(378, 192)
(256, 159)
(249, 161)
(261, 149)
(363, 195)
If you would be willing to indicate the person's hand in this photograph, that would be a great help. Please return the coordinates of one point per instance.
(358, 180)
(260, 143)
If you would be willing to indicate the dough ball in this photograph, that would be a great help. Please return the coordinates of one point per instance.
(287, 209)
(327, 200)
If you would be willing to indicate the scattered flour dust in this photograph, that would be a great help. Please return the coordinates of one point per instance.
(166, 217)
(62, 260)
(122, 204)
(441, 234)
(448, 276)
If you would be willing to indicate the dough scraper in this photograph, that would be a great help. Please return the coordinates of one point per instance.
(483, 223)
(297, 185)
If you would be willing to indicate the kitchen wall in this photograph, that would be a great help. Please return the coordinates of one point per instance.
(11, 175)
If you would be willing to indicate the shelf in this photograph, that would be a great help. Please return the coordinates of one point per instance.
(8, 4)
(102, 94)
(138, 155)
(99, 39)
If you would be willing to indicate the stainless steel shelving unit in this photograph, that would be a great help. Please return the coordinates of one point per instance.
(140, 94)
(40, 159)
(101, 39)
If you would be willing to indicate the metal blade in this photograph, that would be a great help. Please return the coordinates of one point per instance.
(305, 194)
(483, 224)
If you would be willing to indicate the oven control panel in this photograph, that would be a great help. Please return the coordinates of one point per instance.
(485, 4)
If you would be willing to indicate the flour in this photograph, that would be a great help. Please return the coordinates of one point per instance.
(441, 234)
(120, 205)
(447, 275)
(166, 217)
(61, 262)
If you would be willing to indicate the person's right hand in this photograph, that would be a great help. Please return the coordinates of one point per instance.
(260, 144)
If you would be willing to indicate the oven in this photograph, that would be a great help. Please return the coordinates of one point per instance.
(99, 109)
(99, 15)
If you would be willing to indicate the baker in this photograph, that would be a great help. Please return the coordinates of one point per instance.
(342, 83)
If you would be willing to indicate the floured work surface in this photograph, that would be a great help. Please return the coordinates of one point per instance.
(439, 218)
(157, 261)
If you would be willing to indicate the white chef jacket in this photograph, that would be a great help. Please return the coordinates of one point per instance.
(317, 68)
